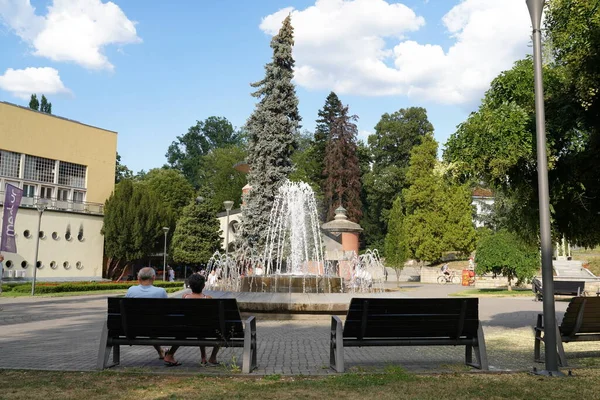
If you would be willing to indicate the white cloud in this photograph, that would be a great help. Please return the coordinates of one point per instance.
(72, 30)
(344, 45)
(23, 82)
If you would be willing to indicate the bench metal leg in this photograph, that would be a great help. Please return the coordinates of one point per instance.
(562, 359)
(336, 345)
(480, 352)
(249, 356)
(539, 327)
(104, 351)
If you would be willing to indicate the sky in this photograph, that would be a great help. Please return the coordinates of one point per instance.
(150, 69)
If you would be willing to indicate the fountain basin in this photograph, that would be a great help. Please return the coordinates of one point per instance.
(291, 284)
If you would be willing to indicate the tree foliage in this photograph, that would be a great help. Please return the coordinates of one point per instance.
(331, 111)
(390, 146)
(342, 168)
(506, 253)
(45, 106)
(496, 146)
(438, 215)
(34, 103)
(185, 154)
(133, 219)
(121, 171)
(396, 249)
(272, 129)
(221, 182)
(197, 235)
(171, 186)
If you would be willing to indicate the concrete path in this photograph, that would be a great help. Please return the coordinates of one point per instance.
(63, 334)
(571, 269)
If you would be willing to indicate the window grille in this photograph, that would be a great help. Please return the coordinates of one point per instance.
(9, 163)
(78, 197)
(71, 174)
(28, 190)
(39, 169)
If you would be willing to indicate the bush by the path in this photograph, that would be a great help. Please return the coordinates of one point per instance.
(64, 287)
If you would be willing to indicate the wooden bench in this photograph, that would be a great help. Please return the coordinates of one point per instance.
(409, 322)
(562, 288)
(581, 323)
(181, 322)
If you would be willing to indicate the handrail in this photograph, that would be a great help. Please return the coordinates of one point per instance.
(61, 205)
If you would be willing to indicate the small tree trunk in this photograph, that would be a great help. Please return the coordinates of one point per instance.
(509, 286)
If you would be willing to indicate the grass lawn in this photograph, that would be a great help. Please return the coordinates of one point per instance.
(394, 384)
(114, 292)
(494, 293)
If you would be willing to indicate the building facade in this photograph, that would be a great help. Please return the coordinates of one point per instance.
(68, 166)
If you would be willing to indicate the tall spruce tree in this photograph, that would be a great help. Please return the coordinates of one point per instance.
(34, 103)
(396, 250)
(342, 169)
(272, 128)
(330, 111)
(45, 105)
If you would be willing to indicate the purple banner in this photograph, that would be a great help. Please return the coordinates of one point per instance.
(12, 200)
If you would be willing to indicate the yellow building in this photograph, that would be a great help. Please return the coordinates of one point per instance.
(70, 167)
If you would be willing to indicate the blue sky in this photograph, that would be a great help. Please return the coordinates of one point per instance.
(149, 70)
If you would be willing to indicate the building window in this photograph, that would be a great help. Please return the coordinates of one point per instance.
(39, 169)
(9, 163)
(78, 196)
(71, 174)
(45, 192)
(62, 195)
(28, 190)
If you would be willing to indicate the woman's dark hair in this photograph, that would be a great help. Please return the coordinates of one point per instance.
(196, 282)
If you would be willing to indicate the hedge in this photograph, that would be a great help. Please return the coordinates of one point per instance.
(54, 287)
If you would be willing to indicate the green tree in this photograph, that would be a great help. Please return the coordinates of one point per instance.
(221, 182)
(171, 186)
(424, 221)
(34, 103)
(272, 129)
(396, 249)
(459, 233)
(133, 219)
(185, 153)
(197, 236)
(332, 109)
(506, 253)
(342, 168)
(121, 171)
(395, 136)
(45, 105)
(496, 146)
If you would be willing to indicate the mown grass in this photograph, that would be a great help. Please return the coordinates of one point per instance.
(590, 258)
(494, 292)
(393, 384)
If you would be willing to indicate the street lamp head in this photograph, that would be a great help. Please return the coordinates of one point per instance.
(166, 230)
(535, 12)
(41, 205)
(228, 204)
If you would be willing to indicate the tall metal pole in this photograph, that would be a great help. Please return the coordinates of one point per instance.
(550, 337)
(37, 246)
(165, 230)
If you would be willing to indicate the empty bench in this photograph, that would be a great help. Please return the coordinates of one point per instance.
(409, 322)
(561, 288)
(581, 323)
(180, 322)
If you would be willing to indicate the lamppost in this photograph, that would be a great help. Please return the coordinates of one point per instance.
(41, 207)
(165, 230)
(535, 11)
(228, 204)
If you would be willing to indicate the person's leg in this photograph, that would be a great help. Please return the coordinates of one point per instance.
(160, 351)
(213, 355)
(203, 354)
(170, 355)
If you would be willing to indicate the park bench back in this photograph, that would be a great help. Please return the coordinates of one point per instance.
(569, 287)
(412, 318)
(172, 318)
(582, 317)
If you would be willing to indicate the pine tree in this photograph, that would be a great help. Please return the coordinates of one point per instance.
(271, 136)
(45, 105)
(197, 236)
(34, 104)
(330, 111)
(396, 251)
(342, 169)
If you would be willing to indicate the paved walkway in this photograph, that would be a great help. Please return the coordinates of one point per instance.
(63, 334)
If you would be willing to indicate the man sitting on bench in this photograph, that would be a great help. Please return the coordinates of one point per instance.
(146, 289)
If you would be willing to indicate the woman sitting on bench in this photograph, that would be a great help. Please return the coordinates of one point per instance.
(196, 283)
